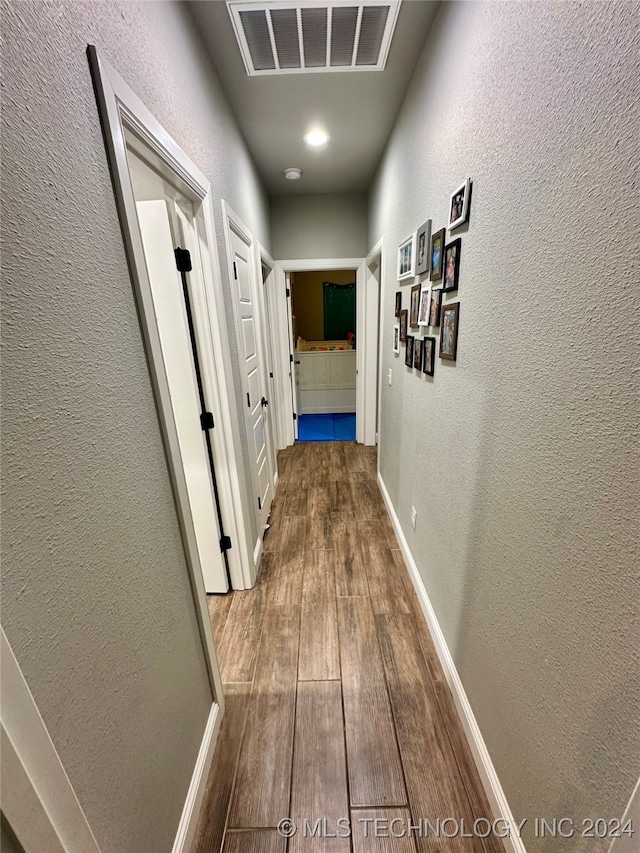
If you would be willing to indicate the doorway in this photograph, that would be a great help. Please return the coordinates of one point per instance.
(323, 327)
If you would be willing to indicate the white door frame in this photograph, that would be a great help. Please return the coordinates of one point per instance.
(271, 345)
(120, 108)
(365, 395)
(374, 303)
(231, 222)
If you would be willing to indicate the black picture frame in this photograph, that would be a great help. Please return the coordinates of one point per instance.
(404, 324)
(417, 354)
(398, 303)
(428, 355)
(415, 306)
(436, 254)
(408, 355)
(451, 271)
(449, 321)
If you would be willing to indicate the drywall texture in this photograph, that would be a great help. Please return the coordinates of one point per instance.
(521, 458)
(319, 226)
(308, 300)
(96, 598)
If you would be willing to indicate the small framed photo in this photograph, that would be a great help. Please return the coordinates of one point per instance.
(434, 308)
(417, 354)
(428, 355)
(407, 258)
(408, 355)
(396, 337)
(415, 305)
(449, 331)
(452, 265)
(459, 205)
(423, 310)
(437, 255)
(398, 303)
(404, 318)
(423, 243)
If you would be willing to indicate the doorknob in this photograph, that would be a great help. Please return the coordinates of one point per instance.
(264, 402)
(297, 362)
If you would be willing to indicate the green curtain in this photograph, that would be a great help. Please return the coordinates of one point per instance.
(339, 302)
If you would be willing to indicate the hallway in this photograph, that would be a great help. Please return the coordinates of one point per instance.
(337, 706)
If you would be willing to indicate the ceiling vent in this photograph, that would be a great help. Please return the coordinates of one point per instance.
(285, 37)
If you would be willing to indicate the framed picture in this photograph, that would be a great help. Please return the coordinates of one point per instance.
(459, 205)
(407, 258)
(434, 308)
(404, 318)
(452, 265)
(408, 355)
(398, 303)
(449, 331)
(423, 310)
(437, 255)
(396, 337)
(417, 354)
(428, 355)
(415, 305)
(423, 243)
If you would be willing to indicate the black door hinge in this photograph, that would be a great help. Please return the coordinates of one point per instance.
(288, 292)
(183, 260)
(259, 503)
(206, 420)
(295, 417)
(235, 271)
(290, 358)
(270, 375)
(225, 543)
(248, 400)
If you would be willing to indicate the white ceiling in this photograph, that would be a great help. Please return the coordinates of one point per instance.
(358, 108)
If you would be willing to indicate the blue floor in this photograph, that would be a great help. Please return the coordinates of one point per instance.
(327, 427)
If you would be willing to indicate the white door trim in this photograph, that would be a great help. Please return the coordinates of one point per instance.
(374, 346)
(271, 346)
(310, 265)
(37, 796)
(119, 107)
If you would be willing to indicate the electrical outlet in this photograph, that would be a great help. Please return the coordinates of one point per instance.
(414, 515)
(389, 377)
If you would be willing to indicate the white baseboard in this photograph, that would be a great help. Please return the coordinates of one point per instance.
(191, 811)
(490, 781)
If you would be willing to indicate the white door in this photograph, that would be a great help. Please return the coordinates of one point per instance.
(252, 371)
(292, 358)
(170, 314)
(267, 277)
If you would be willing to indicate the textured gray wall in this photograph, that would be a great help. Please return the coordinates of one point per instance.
(96, 597)
(319, 226)
(521, 458)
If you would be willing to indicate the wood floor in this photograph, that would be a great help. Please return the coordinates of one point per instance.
(337, 706)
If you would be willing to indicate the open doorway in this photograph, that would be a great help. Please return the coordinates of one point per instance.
(323, 332)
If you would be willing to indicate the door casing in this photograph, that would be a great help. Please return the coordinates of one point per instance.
(366, 347)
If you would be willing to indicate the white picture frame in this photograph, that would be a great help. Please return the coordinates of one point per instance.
(396, 338)
(424, 306)
(459, 205)
(423, 247)
(407, 258)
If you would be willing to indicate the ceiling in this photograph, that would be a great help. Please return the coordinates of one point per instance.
(357, 108)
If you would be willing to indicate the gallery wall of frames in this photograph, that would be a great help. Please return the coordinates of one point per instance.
(431, 264)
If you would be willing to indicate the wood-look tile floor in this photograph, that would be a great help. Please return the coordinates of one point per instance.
(336, 704)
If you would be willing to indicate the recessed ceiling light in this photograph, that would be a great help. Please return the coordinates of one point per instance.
(292, 174)
(316, 137)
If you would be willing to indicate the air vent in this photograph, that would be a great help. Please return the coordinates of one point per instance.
(280, 37)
